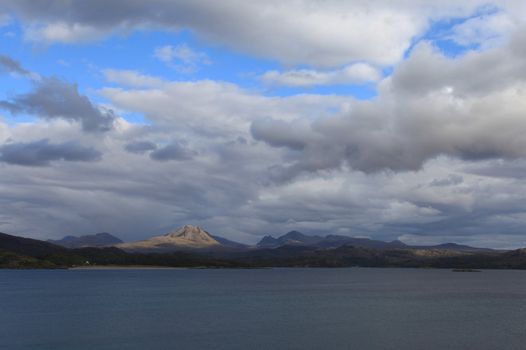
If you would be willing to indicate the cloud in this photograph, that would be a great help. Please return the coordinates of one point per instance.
(214, 109)
(12, 66)
(181, 52)
(54, 98)
(181, 57)
(452, 179)
(9, 65)
(470, 108)
(323, 34)
(4, 19)
(62, 32)
(474, 74)
(42, 153)
(486, 30)
(172, 151)
(358, 73)
(438, 155)
(140, 147)
(136, 197)
(499, 169)
(131, 78)
(279, 133)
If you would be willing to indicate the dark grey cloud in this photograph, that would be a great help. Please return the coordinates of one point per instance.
(140, 147)
(54, 98)
(172, 151)
(10, 65)
(511, 170)
(452, 179)
(469, 75)
(461, 108)
(42, 153)
(280, 133)
(368, 142)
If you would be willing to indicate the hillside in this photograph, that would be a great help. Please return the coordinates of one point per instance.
(28, 246)
(102, 239)
(11, 260)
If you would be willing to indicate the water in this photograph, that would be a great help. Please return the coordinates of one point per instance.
(354, 308)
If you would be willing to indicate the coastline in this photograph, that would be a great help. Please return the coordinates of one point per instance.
(123, 267)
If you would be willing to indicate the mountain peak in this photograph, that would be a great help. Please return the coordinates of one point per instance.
(187, 236)
(267, 241)
(191, 233)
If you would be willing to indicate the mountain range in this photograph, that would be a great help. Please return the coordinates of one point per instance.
(295, 238)
(194, 238)
(329, 241)
(20, 252)
(102, 239)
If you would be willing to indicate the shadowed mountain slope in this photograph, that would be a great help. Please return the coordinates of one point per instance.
(102, 239)
(330, 241)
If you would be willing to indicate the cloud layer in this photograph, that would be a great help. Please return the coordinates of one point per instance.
(42, 153)
(461, 108)
(437, 155)
(328, 33)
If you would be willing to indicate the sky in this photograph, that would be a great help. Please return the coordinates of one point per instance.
(382, 119)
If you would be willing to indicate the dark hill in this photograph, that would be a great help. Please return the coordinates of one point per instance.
(103, 239)
(457, 247)
(28, 246)
(226, 243)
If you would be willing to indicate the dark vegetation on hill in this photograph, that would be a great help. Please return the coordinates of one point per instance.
(347, 256)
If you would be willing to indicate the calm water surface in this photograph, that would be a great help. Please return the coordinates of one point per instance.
(354, 308)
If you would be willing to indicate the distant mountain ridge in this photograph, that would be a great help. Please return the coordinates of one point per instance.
(191, 237)
(102, 239)
(20, 252)
(454, 246)
(329, 241)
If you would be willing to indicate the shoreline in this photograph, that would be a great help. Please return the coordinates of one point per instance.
(123, 267)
